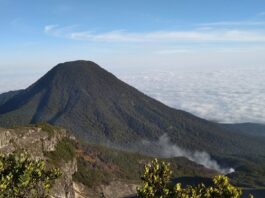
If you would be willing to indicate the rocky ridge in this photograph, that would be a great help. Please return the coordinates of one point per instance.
(37, 142)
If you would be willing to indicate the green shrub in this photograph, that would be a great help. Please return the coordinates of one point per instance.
(22, 177)
(64, 152)
(155, 180)
(156, 184)
(221, 188)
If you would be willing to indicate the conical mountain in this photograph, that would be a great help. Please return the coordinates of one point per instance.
(100, 108)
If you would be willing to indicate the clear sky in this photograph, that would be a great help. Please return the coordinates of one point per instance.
(138, 33)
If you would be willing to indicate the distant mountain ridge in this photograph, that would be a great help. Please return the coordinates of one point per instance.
(100, 108)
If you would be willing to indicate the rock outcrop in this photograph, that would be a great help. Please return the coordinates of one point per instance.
(37, 142)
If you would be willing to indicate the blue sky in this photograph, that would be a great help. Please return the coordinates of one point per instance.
(122, 34)
(133, 33)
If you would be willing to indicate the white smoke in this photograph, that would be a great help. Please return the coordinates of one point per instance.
(169, 150)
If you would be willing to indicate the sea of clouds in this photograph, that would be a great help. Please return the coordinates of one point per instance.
(230, 95)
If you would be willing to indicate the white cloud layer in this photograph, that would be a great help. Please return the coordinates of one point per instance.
(223, 95)
(235, 23)
(196, 35)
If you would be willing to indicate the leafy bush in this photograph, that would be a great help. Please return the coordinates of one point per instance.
(221, 189)
(156, 183)
(155, 180)
(22, 177)
(64, 152)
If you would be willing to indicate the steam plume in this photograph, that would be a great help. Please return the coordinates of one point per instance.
(168, 150)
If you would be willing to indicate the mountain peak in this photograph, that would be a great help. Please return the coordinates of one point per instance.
(77, 64)
(79, 74)
(76, 69)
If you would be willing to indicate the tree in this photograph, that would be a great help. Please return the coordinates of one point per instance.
(221, 188)
(21, 176)
(155, 180)
(156, 184)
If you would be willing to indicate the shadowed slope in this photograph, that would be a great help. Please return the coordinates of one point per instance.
(4, 97)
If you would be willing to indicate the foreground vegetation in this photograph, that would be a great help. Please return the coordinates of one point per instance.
(22, 177)
(100, 165)
(156, 183)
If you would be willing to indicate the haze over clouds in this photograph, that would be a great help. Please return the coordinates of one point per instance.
(223, 95)
(13, 79)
